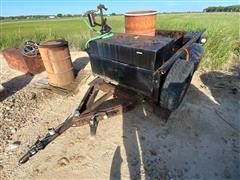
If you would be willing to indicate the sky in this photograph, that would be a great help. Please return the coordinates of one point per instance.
(53, 7)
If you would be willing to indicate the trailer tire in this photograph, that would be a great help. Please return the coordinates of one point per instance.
(196, 53)
(176, 84)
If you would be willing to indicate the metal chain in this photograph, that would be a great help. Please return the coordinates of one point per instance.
(30, 49)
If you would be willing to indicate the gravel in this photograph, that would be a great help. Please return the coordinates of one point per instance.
(16, 111)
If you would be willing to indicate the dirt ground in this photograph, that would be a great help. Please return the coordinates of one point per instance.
(200, 140)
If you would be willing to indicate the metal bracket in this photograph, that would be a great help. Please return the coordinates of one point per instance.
(94, 110)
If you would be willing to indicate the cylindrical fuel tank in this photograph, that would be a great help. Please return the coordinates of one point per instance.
(57, 61)
(140, 22)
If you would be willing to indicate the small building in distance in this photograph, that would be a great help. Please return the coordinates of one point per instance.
(51, 17)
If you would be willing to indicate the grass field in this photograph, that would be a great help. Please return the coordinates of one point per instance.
(223, 32)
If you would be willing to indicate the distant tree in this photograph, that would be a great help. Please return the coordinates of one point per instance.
(234, 8)
(60, 15)
(113, 14)
(68, 15)
(76, 15)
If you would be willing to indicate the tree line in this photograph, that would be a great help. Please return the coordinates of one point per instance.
(38, 16)
(234, 8)
(59, 15)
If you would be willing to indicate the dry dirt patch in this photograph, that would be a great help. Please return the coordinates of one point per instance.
(200, 140)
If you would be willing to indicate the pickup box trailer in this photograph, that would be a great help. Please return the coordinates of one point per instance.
(159, 68)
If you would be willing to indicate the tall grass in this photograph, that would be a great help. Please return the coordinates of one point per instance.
(222, 32)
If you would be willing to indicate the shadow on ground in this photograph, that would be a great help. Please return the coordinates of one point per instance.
(79, 64)
(225, 89)
(200, 140)
(15, 84)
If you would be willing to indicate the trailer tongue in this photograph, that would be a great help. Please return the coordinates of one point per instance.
(89, 112)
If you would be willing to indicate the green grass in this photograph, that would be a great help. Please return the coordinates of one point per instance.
(222, 32)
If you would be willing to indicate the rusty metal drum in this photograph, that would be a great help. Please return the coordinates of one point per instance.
(20, 62)
(141, 22)
(57, 61)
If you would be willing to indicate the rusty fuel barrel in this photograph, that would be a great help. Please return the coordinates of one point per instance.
(140, 22)
(57, 61)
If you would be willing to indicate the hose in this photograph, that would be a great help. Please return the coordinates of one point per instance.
(101, 36)
(92, 29)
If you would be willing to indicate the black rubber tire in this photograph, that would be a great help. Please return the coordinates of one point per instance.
(196, 53)
(176, 84)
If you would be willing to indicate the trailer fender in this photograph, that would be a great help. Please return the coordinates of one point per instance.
(176, 84)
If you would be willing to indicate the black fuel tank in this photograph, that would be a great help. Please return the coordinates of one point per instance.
(131, 60)
(141, 51)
